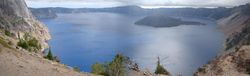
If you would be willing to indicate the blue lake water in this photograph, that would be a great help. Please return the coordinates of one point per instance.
(86, 38)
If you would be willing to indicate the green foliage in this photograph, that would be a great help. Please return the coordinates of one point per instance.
(34, 43)
(98, 68)
(24, 44)
(29, 43)
(117, 67)
(50, 55)
(7, 32)
(160, 69)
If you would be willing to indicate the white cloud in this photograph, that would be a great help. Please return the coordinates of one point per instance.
(112, 3)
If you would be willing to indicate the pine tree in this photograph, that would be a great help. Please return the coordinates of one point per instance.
(160, 69)
(117, 66)
(49, 56)
(98, 68)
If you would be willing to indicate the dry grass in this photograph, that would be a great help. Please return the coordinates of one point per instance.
(4, 43)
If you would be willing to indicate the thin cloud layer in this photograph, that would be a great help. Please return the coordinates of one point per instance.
(146, 3)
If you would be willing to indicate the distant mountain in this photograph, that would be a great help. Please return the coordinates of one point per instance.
(126, 10)
(43, 13)
(214, 13)
(164, 21)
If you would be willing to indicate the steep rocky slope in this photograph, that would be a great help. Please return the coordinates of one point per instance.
(16, 23)
(17, 19)
(236, 27)
(235, 60)
(238, 19)
(14, 62)
(236, 63)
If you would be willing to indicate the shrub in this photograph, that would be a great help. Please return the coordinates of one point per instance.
(7, 32)
(28, 43)
(51, 57)
(98, 68)
(117, 67)
(34, 43)
(22, 43)
(160, 69)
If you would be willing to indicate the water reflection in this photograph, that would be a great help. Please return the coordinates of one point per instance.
(83, 39)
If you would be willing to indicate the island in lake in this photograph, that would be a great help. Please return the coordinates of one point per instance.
(164, 21)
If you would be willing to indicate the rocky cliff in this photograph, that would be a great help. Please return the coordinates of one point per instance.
(236, 63)
(17, 25)
(16, 18)
(238, 18)
(235, 60)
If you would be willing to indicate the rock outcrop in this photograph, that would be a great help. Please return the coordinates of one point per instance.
(16, 18)
(16, 22)
(235, 60)
(236, 21)
(236, 63)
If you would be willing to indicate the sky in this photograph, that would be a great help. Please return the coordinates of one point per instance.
(142, 3)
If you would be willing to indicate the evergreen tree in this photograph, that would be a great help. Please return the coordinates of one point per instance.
(49, 56)
(117, 67)
(160, 69)
(98, 68)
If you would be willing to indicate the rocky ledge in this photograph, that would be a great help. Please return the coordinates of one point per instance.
(16, 18)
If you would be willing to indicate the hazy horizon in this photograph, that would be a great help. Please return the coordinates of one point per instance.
(141, 3)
